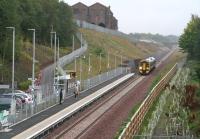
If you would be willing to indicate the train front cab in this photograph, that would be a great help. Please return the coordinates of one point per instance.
(144, 68)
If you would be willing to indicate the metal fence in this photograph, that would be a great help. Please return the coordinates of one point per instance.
(46, 95)
(94, 81)
(44, 98)
(84, 24)
(48, 72)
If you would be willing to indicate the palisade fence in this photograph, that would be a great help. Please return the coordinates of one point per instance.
(133, 127)
(47, 99)
(70, 57)
(94, 81)
(47, 80)
(84, 24)
(46, 95)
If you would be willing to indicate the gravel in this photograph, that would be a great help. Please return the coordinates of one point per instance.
(109, 123)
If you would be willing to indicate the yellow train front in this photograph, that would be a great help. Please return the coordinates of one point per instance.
(147, 65)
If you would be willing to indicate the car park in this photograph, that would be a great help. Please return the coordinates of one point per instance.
(23, 100)
(6, 100)
(6, 96)
(28, 98)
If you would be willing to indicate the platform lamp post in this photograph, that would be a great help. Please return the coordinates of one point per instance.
(13, 73)
(89, 69)
(121, 64)
(81, 40)
(100, 62)
(58, 62)
(33, 67)
(73, 48)
(100, 68)
(55, 64)
(115, 63)
(58, 53)
(51, 35)
(81, 69)
(73, 43)
(108, 64)
(127, 64)
(75, 66)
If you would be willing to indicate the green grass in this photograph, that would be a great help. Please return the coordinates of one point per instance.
(194, 124)
(23, 66)
(107, 44)
(155, 81)
(177, 56)
(98, 42)
(149, 114)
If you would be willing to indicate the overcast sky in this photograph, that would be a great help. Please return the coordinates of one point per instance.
(150, 16)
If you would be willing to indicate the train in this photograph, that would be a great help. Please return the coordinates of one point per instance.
(147, 65)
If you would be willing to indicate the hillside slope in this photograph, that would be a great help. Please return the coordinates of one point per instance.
(23, 65)
(99, 43)
(110, 46)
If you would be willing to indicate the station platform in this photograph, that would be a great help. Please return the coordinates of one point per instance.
(29, 127)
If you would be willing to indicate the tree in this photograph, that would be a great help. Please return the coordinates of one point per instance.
(8, 17)
(66, 26)
(190, 39)
(41, 15)
(190, 42)
(45, 15)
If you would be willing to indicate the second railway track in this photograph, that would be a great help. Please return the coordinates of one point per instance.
(86, 119)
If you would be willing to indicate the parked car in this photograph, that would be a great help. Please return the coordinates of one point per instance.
(6, 99)
(23, 100)
(5, 90)
(28, 98)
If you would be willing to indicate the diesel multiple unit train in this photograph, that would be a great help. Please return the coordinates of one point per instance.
(146, 65)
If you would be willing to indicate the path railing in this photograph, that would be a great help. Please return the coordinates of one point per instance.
(133, 127)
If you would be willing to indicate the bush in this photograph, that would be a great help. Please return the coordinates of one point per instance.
(24, 85)
(99, 51)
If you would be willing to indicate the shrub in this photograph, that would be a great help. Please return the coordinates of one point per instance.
(24, 85)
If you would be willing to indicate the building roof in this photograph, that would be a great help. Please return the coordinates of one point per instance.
(97, 3)
(79, 3)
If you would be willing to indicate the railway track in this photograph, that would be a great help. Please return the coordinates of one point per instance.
(85, 122)
(87, 118)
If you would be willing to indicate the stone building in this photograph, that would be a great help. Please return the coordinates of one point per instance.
(97, 14)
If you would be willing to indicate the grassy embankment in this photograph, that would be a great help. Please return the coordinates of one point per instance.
(194, 106)
(23, 65)
(177, 56)
(98, 43)
(174, 58)
(192, 118)
(109, 45)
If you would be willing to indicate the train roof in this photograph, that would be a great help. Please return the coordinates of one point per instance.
(149, 59)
